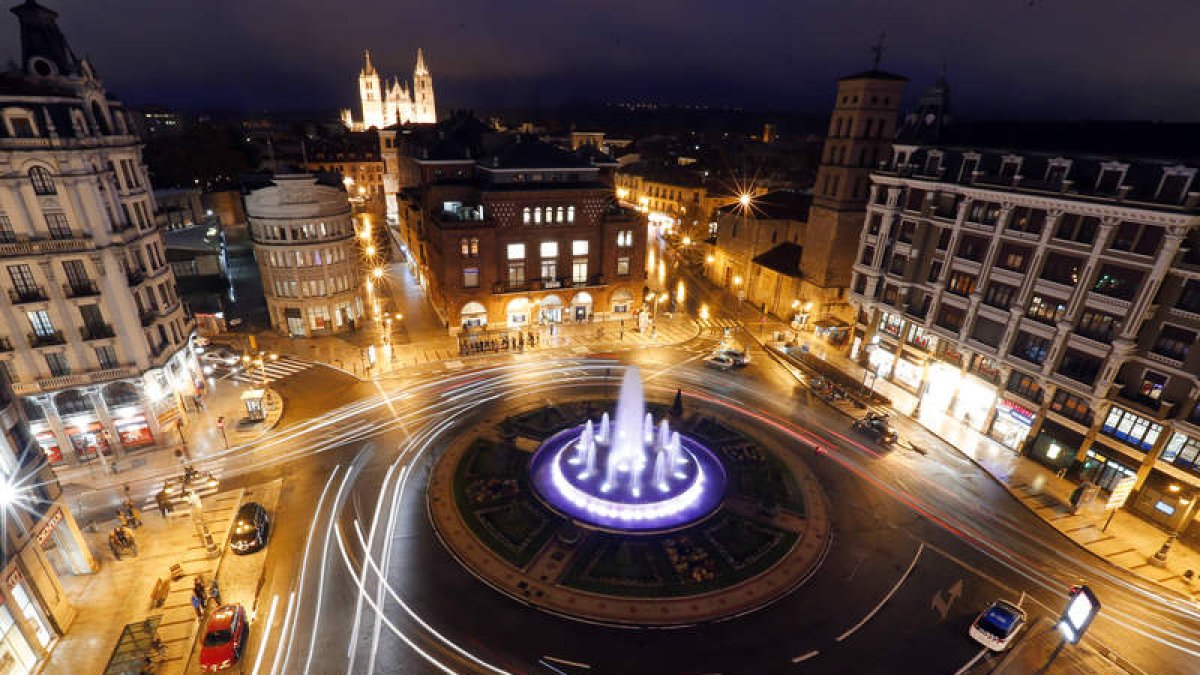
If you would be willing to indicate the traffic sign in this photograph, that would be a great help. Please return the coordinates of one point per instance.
(221, 422)
(1082, 608)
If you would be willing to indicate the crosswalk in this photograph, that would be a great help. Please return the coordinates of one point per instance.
(717, 326)
(286, 366)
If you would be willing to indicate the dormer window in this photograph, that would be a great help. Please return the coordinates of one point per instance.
(1057, 170)
(933, 163)
(1009, 167)
(1111, 176)
(20, 123)
(970, 165)
(1174, 184)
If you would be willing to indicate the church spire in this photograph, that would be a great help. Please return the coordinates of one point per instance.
(421, 70)
(368, 69)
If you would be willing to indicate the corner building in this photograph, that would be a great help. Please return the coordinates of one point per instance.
(512, 233)
(303, 237)
(1045, 295)
(95, 337)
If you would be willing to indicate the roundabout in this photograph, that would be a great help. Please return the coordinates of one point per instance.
(631, 519)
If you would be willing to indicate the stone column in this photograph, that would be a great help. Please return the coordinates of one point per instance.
(1039, 418)
(1151, 457)
(56, 427)
(101, 408)
(1162, 264)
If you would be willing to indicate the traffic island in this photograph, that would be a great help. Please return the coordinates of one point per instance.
(626, 521)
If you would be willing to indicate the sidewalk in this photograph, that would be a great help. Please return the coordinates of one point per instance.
(1129, 542)
(121, 592)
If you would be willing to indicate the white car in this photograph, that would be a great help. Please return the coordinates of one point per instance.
(740, 357)
(718, 361)
(998, 625)
(220, 357)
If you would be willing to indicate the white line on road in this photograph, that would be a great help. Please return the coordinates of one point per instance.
(287, 616)
(982, 652)
(550, 667)
(887, 597)
(804, 657)
(266, 634)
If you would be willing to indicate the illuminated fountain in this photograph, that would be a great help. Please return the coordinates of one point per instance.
(628, 474)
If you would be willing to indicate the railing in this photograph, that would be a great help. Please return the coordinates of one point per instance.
(147, 316)
(19, 295)
(47, 339)
(39, 246)
(135, 276)
(97, 332)
(79, 289)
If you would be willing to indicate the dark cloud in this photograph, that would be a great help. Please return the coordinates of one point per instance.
(1074, 58)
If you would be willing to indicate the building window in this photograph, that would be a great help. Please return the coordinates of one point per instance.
(549, 249)
(1118, 282)
(23, 283)
(579, 247)
(1031, 348)
(1110, 178)
(1131, 428)
(988, 332)
(7, 235)
(1000, 295)
(984, 213)
(1174, 342)
(1072, 407)
(935, 271)
(42, 182)
(471, 277)
(549, 270)
(1077, 228)
(623, 266)
(570, 214)
(985, 367)
(625, 238)
(961, 283)
(58, 226)
(559, 219)
(1062, 269)
(891, 324)
(972, 248)
(1024, 386)
(20, 124)
(58, 365)
(1080, 367)
(537, 215)
(1047, 310)
(1136, 238)
(526, 215)
(516, 251)
(917, 337)
(1013, 258)
(1182, 451)
(1174, 185)
(516, 275)
(579, 271)
(1096, 325)
(1027, 220)
(950, 318)
(107, 357)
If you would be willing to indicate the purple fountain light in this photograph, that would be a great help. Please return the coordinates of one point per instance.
(629, 474)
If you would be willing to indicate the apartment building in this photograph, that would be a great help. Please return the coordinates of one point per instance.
(1045, 294)
(96, 338)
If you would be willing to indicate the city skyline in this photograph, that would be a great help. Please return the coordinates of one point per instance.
(1010, 59)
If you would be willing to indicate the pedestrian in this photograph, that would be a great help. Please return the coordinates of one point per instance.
(121, 518)
(214, 592)
(164, 504)
(198, 588)
(198, 606)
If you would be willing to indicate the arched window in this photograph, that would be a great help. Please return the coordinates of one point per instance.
(525, 215)
(560, 214)
(42, 181)
(464, 245)
(570, 214)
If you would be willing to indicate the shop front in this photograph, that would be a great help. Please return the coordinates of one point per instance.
(48, 444)
(551, 310)
(1012, 424)
(581, 306)
(974, 402)
(940, 384)
(87, 439)
(17, 656)
(473, 315)
(1055, 445)
(907, 374)
(516, 312)
(27, 609)
(1169, 503)
(1106, 467)
(134, 432)
(880, 360)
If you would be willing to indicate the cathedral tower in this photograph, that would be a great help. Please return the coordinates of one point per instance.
(371, 92)
(422, 92)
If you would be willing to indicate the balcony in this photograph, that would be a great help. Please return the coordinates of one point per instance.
(1159, 409)
(32, 247)
(47, 339)
(6, 345)
(98, 331)
(33, 294)
(157, 350)
(147, 316)
(81, 289)
(135, 276)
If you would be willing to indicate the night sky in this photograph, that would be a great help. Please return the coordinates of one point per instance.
(1125, 59)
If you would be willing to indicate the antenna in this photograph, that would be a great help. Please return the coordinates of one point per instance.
(877, 49)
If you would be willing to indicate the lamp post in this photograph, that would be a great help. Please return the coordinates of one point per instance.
(1189, 504)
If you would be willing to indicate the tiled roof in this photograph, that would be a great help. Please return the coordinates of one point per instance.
(782, 258)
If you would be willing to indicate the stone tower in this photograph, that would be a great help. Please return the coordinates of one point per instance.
(422, 92)
(861, 130)
(371, 93)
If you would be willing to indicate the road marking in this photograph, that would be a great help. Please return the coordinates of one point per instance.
(565, 662)
(973, 570)
(804, 657)
(982, 652)
(262, 646)
(943, 606)
(873, 612)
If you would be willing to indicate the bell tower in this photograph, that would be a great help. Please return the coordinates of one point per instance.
(371, 93)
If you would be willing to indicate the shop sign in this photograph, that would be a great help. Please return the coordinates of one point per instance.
(1120, 492)
(1019, 413)
(13, 579)
(49, 528)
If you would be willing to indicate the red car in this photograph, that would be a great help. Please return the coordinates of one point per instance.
(224, 639)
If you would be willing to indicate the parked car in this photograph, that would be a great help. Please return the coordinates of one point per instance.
(876, 425)
(998, 625)
(251, 528)
(740, 357)
(718, 361)
(220, 357)
(225, 638)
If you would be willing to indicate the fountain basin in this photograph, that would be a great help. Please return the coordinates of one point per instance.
(695, 489)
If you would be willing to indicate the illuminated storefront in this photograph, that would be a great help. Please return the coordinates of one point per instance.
(941, 383)
(1055, 445)
(1105, 467)
(907, 374)
(1012, 424)
(974, 402)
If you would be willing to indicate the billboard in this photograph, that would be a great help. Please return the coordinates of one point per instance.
(1082, 608)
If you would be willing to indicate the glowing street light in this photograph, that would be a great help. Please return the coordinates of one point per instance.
(680, 292)
(704, 312)
(687, 241)
(744, 199)
(371, 251)
(377, 272)
(710, 259)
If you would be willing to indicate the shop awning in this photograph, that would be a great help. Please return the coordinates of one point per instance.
(129, 656)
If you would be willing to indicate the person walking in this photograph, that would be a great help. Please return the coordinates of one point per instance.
(164, 504)
(197, 606)
(198, 589)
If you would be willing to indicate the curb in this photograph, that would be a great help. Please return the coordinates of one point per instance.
(187, 659)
